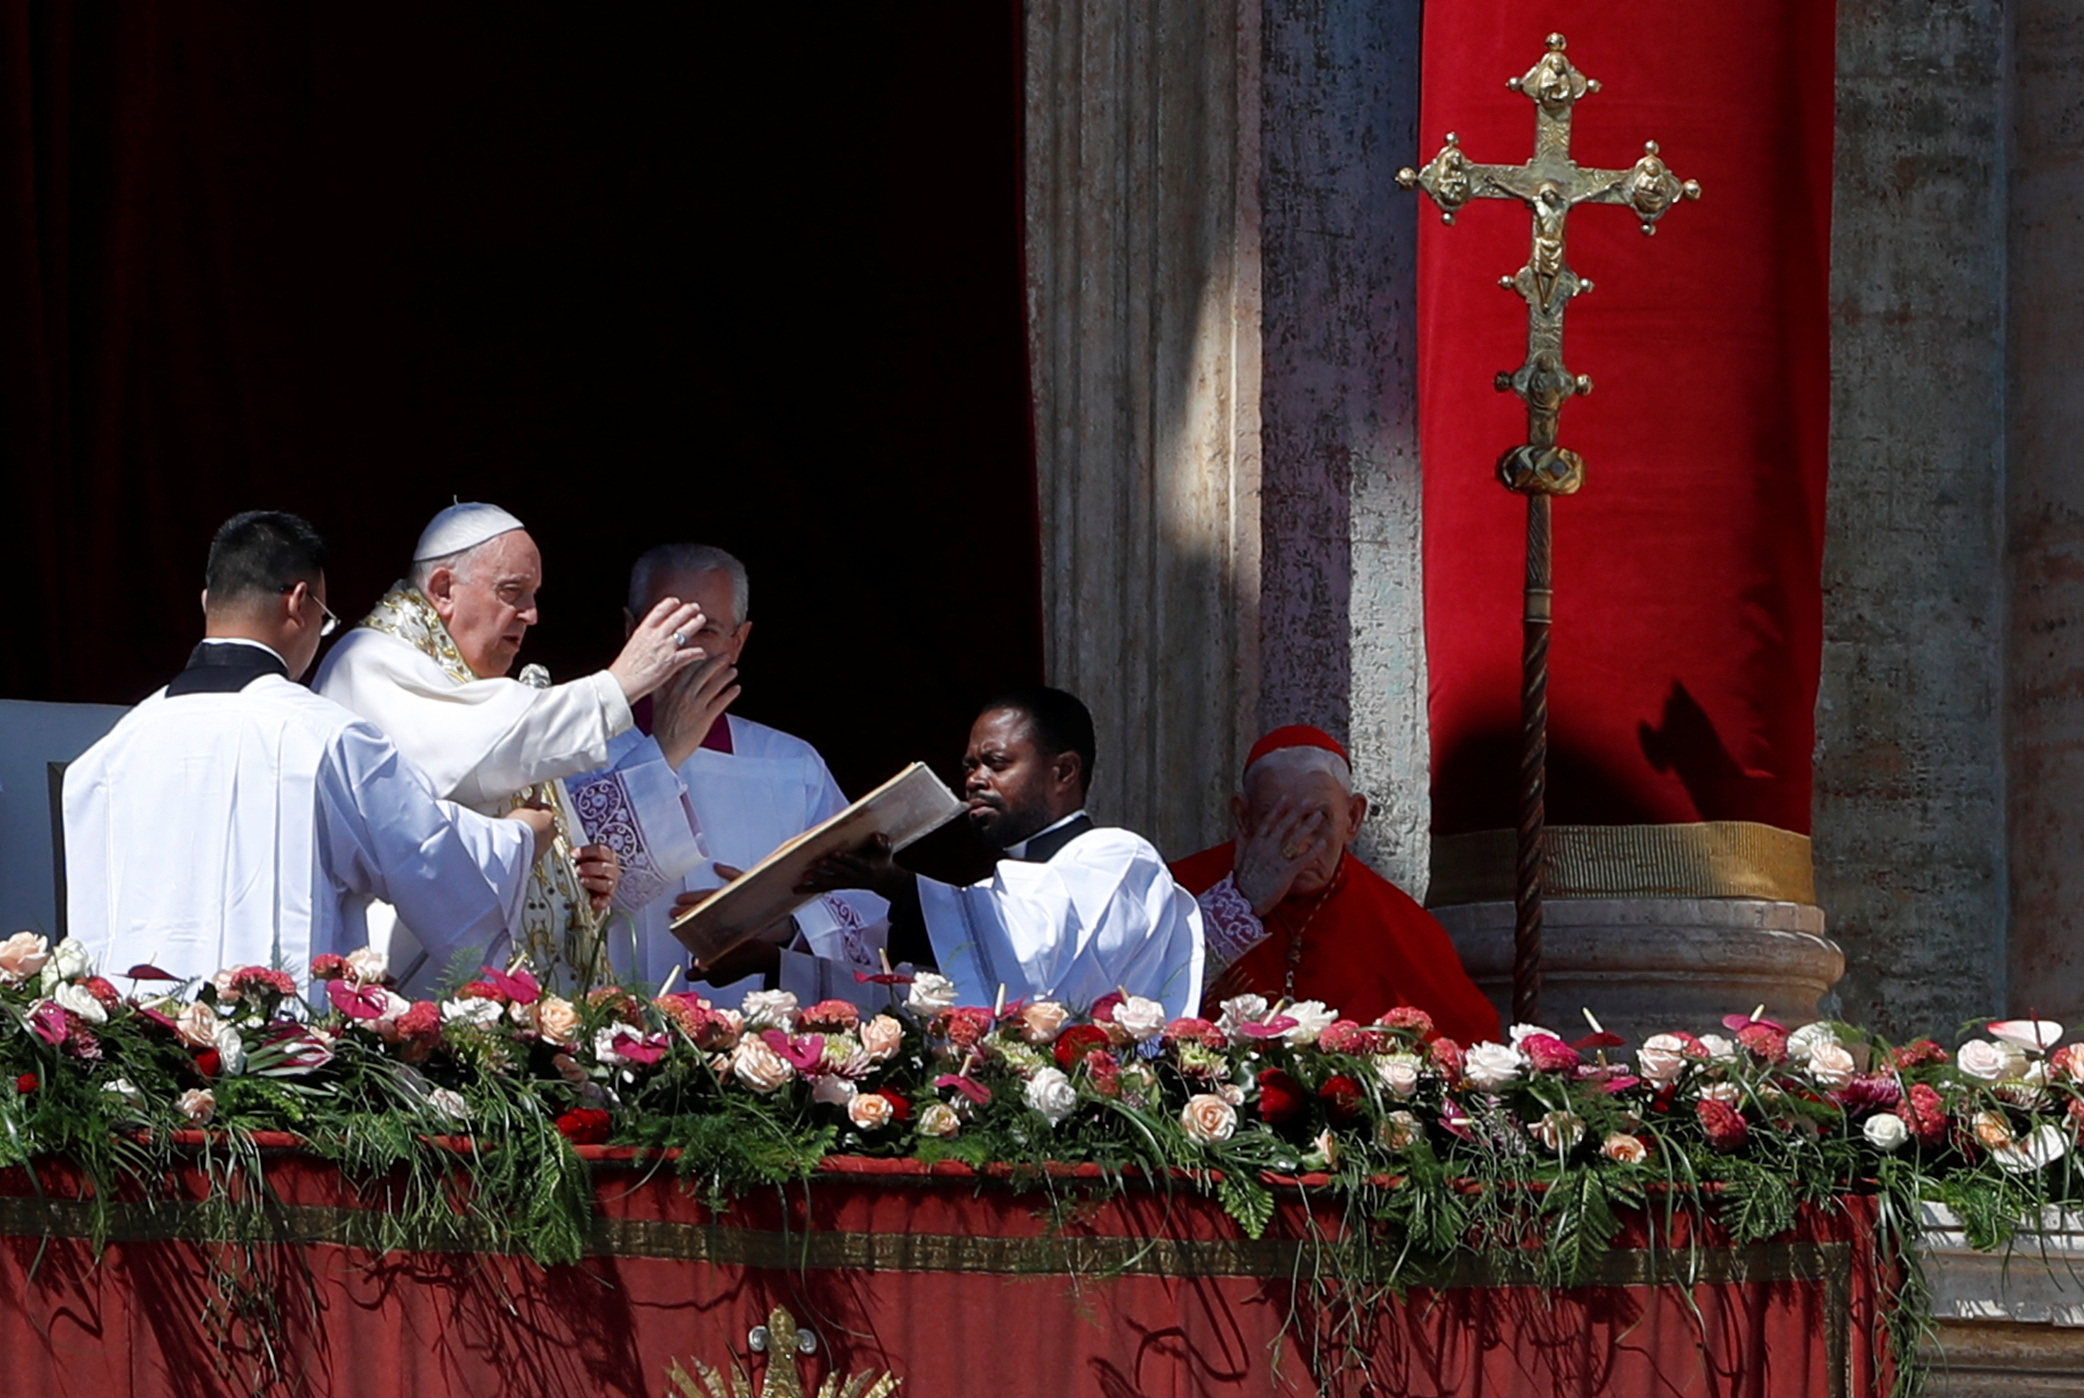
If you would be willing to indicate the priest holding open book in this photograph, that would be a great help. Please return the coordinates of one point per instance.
(1072, 912)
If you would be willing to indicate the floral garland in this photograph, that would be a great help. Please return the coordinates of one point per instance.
(1437, 1146)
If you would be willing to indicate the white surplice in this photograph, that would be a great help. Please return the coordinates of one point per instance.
(483, 741)
(771, 787)
(1102, 914)
(253, 828)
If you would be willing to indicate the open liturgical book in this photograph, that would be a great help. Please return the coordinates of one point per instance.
(912, 804)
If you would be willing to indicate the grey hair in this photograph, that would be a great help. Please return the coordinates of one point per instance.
(423, 568)
(688, 558)
(1302, 760)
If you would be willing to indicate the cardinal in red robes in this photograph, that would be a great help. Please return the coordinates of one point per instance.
(1290, 912)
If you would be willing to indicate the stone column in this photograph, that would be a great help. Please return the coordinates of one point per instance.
(1910, 804)
(1342, 618)
(1143, 304)
(2044, 484)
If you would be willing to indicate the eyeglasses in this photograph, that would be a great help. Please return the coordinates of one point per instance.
(331, 623)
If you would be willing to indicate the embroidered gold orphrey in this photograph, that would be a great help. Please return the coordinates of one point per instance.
(559, 930)
(784, 1376)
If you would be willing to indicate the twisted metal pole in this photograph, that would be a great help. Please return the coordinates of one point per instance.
(1534, 749)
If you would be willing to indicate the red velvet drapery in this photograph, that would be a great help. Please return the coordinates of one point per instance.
(1688, 613)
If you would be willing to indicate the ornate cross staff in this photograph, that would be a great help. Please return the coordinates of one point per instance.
(1550, 183)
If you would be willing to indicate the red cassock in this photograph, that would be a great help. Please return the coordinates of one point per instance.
(1367, 947)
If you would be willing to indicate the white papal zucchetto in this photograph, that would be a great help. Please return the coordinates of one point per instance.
(462, 526)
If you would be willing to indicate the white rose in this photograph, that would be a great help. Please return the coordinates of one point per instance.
(449, 1103)
(770, 1009)
(196, 1025)
(367, 964)
(1559, 1131)
(1992, 1062)
(1885, 1131)
(124, 1088)
(1721, 1092)
(231, 1051)
(1311, 1019)
(480, 1012)
(70, 960)
(1492, 1066)
(1831, 1064)
(1805, 1039)
(1139, 1018)
(1718, 1047)
(870, 1111)
(834, 1090)
(1232, 1092)
(938, 1120)
(930, 994)
(1519, 1033)
(1241, 1009)
(22, 956)
(198, 1104)
(758, 1066)
(1050, 1093)
(80, 1001)
(1399, 1072)
(1208, 1118)
(1662, 1058)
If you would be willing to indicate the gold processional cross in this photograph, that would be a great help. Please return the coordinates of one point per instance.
(1550, 184)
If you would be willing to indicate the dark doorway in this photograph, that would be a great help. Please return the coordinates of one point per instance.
(745, 276)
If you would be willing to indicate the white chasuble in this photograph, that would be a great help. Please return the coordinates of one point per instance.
(770, 788)
(495, 744)
(217, 830)
(1101, 915)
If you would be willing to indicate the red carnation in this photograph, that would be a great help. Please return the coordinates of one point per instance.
(1447, 1056)
(419, 1029)
(1103, 1072)
(829, 1017)
(1342, 1036)
(1722, 1124)
(1281, 1097)
(1766, 1042)
(209, 1063)
(964, 1026)
(1342, 1099)
(1071, 1045)
(101, 990)
(1192, 1030)
(1918, 1053)
(584, 1126)
(248, 979)
(25, 1084)
(1409, 1018)
(481, 990)
(328, 966)
(1549, 1054)
(1925, 1113)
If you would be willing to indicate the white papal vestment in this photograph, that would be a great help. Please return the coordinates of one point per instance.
(487, 742)
(253, 828)
(1101, 915)
(769, 788)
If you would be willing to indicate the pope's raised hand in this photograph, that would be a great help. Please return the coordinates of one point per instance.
(662, 645)
(687, 706)
(1271, 856)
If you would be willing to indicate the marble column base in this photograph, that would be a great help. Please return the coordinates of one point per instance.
(1644, 965)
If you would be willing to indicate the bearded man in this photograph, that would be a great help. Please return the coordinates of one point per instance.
(428, 666)
(235, 818)
(1073, 911)
(1292, 913)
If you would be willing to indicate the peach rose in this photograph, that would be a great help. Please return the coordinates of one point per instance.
(22, 956)
(196, 1026)
(1398, 1130)
(881, 1038)
(939, 1121)
(198, 1104)
(1042, 1021)
(1627, 1149)
(556, 1019)
(758, 1066)
(367, 965)
(870, 1111)
(1207, 1118)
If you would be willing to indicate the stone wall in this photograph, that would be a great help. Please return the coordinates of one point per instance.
(1910, 804)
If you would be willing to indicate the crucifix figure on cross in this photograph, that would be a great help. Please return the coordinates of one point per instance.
(1550, 184)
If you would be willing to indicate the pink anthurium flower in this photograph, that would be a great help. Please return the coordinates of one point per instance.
(519, 985)
(357, 1002)
(648, 1049)
(2033, 1035)
(886, 978)
(49, 1021)
(1272, 1029)
(146, 971)
(803, 1052)
(969, 1087)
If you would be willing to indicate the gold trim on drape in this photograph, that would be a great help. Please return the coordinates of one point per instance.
(1710, 859)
